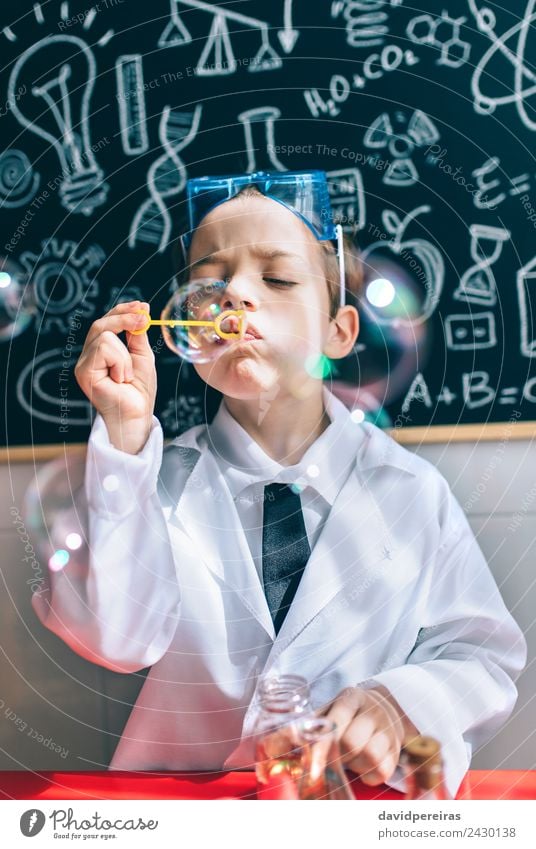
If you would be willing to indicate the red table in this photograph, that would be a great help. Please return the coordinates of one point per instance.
(113, 784)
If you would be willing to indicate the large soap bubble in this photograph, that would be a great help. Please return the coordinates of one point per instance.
(17, 304)
(200, 322)
(55, 513)
(394, 339)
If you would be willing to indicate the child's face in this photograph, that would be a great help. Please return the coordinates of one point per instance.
(274, 267)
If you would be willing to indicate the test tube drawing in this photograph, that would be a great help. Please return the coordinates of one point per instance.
(131, 104)
(477, 284)
(526, 293)
(259, 135)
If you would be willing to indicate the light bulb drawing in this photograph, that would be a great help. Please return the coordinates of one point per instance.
(477, 284)
(56, 108)
(217, 57)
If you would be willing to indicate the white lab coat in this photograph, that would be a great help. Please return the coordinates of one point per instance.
(396, 592)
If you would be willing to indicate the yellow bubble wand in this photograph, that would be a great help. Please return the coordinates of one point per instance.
(216, 323)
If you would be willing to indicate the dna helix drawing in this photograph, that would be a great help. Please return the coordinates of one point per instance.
(166, 178)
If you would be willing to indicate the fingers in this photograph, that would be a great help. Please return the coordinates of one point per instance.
(341, 712)
(107, 356)
(121, 317)
(343, 709)
(377, 759)
(370, 733)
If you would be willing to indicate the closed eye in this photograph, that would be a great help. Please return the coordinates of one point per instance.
(277, 281)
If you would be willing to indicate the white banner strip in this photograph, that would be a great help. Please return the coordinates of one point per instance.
(254, 824)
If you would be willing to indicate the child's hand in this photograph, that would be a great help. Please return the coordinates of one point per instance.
(371, 728)
(120, 381)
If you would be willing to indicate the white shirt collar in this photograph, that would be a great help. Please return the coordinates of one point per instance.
(324, 466)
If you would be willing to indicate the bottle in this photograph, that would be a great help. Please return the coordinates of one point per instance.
(423, 770)
(283, 702)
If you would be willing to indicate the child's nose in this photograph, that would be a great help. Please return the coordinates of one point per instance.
(240, 293)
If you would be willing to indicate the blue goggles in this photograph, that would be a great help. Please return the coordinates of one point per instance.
(305, 193)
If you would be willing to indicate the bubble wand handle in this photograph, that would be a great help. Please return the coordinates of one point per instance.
(216, 324)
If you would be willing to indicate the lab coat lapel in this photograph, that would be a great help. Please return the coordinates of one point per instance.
(354, 541)
(206, 512)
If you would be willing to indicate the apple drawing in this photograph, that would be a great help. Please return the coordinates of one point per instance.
(422, 265)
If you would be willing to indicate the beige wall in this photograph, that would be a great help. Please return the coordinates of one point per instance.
(61, 712)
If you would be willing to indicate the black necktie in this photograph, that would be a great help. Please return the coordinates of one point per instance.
(285, 548)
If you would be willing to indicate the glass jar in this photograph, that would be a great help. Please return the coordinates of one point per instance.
(283, 702)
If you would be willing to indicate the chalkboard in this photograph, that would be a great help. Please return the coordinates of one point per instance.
(423, 116)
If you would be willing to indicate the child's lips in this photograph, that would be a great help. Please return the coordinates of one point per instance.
(251, 334)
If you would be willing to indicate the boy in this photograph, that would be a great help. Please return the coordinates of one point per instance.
(385, 605)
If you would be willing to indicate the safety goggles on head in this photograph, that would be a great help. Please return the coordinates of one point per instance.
(305, 193)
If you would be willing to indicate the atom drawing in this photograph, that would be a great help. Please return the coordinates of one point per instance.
(523, 75)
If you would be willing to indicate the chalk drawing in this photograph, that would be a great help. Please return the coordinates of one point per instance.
(259, 136)
(526, 294)
(488, 179)
(470, 332)
(488, 87)
(18, 181)
(477, 284)
(347, 196)
(65, 91)
(166, 178)
(443, 33)
(416, 131)
(425, 256)
(131, 104)
(38, 392)
(217, 57)
(63, 279)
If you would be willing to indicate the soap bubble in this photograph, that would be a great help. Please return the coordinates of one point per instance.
(17, 306)
(54, 513)
(220, 323)
(394, 340)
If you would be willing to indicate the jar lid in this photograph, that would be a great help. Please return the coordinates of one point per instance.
(422, 750)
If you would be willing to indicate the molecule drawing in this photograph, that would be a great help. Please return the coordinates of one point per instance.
(443, 33)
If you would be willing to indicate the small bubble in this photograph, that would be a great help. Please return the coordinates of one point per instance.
(380, 292)
(357, 416)
(111, 483)
(59, 559)
(318, 366)
(73, 541)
